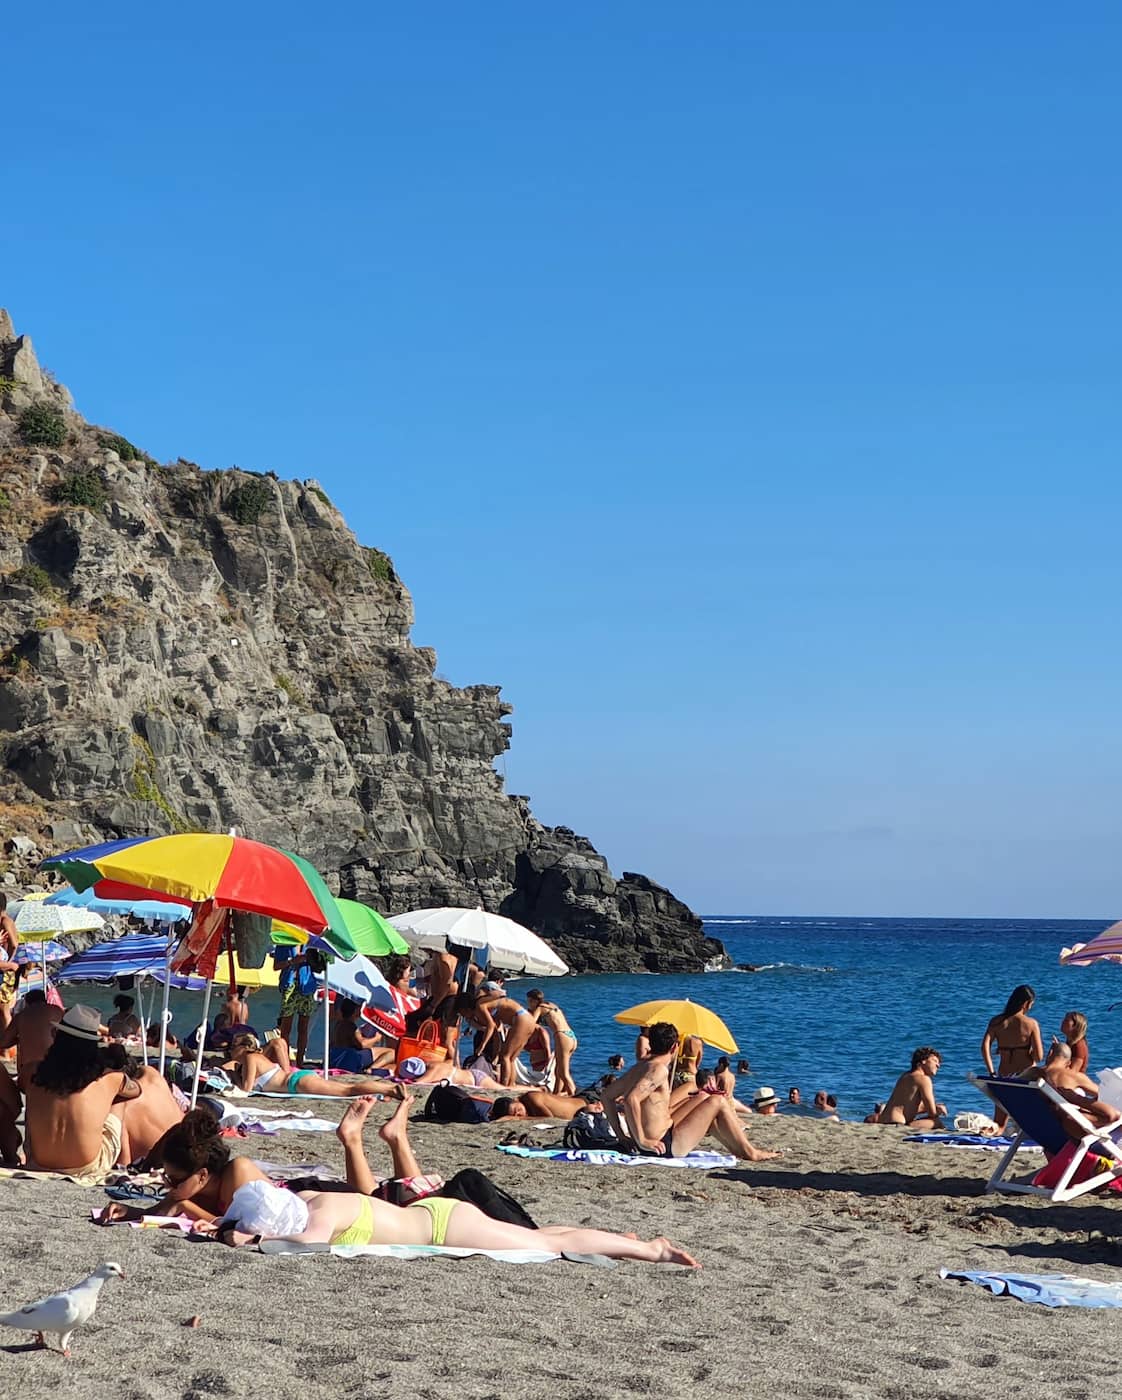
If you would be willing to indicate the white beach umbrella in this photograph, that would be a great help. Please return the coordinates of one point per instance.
(35, 917)
(508, 945)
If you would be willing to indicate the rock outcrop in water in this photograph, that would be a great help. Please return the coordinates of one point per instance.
(184, 649)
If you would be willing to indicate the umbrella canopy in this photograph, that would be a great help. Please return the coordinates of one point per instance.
(687, 1017)
(266, 976)
(134, 955)
(234, 872)
(38, 953)
(36, 916)
(371, 934)
(155, 910)
(508, 945)
(1104, 947)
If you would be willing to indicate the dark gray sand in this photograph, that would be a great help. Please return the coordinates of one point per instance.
(820, 1279)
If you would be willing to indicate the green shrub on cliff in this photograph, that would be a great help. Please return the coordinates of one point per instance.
(378, 564)
(42, 425)
(123, 448)
(246, 503)
(80, 489)
(33, 576)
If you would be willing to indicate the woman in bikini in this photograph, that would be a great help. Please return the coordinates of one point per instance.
(251, 1069)
(551, 1016)
(690, 1052)
(1017, 1037)
(491, 1010)
(1073, 1028)
(201, 1173)
(350, 1219)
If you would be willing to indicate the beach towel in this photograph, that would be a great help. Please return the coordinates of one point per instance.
(409, 1251)
(977, 1141)
(183, 1223)
(594, 1157)
(1052, 1290)
(1090, 1166)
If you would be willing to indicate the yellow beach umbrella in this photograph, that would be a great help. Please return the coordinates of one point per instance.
(266, 976)
(687, 1017)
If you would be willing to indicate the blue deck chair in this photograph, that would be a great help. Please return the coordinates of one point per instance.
(1037, 1111)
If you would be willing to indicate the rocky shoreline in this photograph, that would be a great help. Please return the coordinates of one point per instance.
(192, 650)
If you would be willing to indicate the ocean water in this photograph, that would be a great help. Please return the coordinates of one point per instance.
(838, 1004)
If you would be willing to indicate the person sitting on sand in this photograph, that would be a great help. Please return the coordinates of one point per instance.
(75, 1106)
(690, 1053)
(912, 1101)
(766, 1102)
(251, 1069)
(553, 1018)
(124, 1024)
(638, 1108)
(492, 1010)
(201, 1172)
(149, 1116)
(263, 1211)
(32, 1031)
(874, 1117)
(352, 1050)
(1073, 1028)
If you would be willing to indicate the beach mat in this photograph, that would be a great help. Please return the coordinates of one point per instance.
(979, 1142)
(1050, 1290)
(595, 1157)
(409, 1251)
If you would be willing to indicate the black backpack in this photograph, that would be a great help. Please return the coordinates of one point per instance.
(448, 1103)
(590, 1128)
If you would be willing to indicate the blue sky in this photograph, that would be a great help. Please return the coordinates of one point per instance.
(739, 390)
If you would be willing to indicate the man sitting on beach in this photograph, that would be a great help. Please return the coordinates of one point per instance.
(149, 1116)
(912, 1101)
(74, 1106)
(1075, 1086)
(638, 1108)
(32, 1030)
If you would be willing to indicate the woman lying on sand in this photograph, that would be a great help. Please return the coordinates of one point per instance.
(263, 1211)
(201, 1172)
(253, 1070)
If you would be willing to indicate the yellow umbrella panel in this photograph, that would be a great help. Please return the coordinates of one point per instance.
(687, 1017)
(266, 976)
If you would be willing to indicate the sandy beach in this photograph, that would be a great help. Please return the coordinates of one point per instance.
(820, 1278)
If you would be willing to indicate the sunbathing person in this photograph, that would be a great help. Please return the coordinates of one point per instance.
(912, 1101)
(537, 1103)
(1076, 1087)
(124, 1024)
(75, 1106)
(638, 1108)
(473, 1076)
(201, 1172)
(148, 1117)
(263, 1211)
(32, 1031)
(1073, 1028)
(275, 1051)
(251, 1069)
(352, 1050)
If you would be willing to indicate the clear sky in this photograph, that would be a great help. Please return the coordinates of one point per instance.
(736, 385)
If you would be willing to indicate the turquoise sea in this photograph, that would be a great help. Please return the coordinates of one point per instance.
(839, 1004)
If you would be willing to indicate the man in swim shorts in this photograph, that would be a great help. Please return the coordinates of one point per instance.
(638, 1108)
(912, 1101)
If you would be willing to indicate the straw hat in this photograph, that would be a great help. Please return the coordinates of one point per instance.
(765, 1098)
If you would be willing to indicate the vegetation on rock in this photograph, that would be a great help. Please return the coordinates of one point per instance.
(42, 425)
(83, 488)
(247, 503)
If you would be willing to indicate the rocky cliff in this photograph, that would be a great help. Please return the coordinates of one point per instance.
(184, 649)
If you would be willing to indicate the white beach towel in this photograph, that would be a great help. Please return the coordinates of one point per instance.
(593, 1157)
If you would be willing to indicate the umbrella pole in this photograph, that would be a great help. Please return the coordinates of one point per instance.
(326, 1026)
(144, 1019)
(202, 1043)
(164, 1006)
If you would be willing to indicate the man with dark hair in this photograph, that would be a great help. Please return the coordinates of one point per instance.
(638, 1108)
(352, 1049)
(32, 1031)
(147, 1118)
(536, 1103)
(912, 1101)
(75, 1106)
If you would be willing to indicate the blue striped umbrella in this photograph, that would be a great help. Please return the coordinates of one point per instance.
(135, 955)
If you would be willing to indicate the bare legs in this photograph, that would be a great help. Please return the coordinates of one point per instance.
(469, 1228)
(563, 1047)
(394, 1133)
(518, 1033)
(284, 1025)
(710, 1113)
(9, 1112)
(316, 1084)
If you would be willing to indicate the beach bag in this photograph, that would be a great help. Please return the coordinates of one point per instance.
(472, 1186)
(450, 1104)
(589, 1128)
(425, 1045)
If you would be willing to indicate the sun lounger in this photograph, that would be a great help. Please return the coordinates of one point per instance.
(1037, 1110)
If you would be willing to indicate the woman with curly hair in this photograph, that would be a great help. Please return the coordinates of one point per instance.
(201, 1172)
(75, 1104)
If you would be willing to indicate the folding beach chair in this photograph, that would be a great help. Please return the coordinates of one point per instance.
(1033, 1106)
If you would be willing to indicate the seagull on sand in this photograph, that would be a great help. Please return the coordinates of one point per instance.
(63, 1313)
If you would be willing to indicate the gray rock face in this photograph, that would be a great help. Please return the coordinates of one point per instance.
(188, 650)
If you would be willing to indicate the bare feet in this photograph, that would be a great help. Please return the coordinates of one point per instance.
(354, 1120)
(756, 1154)
(667, 1253)
(396, 1125)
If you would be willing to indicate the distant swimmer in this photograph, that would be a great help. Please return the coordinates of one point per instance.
(912, 1101)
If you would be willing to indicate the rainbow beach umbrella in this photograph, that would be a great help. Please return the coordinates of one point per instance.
(371, 934)
(234, 872)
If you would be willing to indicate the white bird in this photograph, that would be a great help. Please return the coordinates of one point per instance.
(63, 1313)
